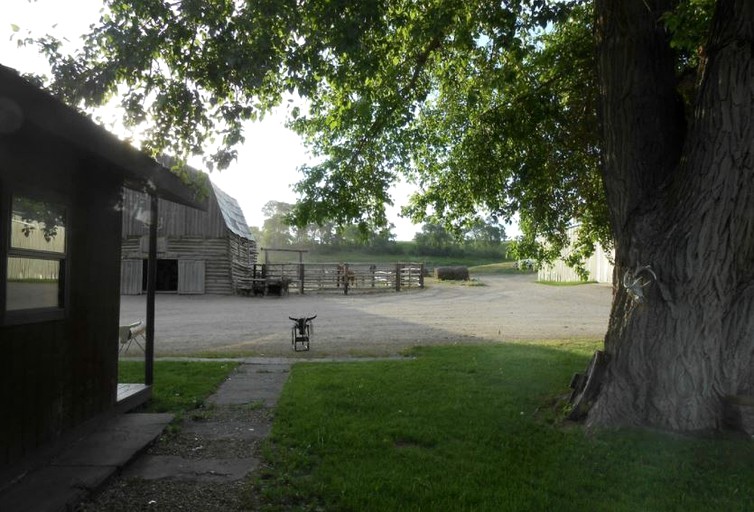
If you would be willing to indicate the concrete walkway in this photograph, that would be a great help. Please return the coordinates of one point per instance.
(235, 417)
(117, 446)
(85, 463)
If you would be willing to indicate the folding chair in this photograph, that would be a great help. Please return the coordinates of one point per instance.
(131, 333)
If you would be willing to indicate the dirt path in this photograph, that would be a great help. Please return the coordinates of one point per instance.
(500, 308)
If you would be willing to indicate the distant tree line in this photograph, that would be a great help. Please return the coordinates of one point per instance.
(482, 238)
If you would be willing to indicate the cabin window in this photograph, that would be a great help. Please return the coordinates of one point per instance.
(36, 256)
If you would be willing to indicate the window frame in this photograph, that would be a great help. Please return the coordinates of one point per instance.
(39, 314)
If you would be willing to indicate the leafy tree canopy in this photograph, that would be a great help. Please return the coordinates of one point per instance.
(488, 107)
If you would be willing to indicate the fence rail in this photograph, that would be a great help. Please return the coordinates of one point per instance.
(338, 277)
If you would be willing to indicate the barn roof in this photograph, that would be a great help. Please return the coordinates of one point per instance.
(24, 104)
(232, 214)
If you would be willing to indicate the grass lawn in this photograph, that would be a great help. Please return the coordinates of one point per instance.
(565, 283)
(505, 267)
(179, 386)
(462, 428)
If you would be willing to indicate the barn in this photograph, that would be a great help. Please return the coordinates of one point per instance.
(61, 182)
(198, 252)
(599, 266)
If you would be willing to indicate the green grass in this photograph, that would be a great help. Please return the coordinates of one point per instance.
(479, 428)
(505, 267)
(564, 283)
(179, 386)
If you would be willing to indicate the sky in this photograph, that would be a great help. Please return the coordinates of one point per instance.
(267, 162)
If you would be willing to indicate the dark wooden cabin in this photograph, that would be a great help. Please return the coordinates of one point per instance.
(61, 183)
(198, 252)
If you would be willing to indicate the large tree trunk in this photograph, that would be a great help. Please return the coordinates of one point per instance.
(681, 333)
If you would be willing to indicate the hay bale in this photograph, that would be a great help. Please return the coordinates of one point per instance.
(452, 273)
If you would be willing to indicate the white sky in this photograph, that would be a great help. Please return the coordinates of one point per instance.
(267, 163)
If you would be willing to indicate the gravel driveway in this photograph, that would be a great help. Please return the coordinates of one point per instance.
(493, 309)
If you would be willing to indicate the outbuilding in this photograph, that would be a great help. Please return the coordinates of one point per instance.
(61, 206)
(599, 266)
(198, 251)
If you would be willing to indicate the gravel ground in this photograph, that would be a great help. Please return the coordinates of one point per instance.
(492, 309)
(128, 492)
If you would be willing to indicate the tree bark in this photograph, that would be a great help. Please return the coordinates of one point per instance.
(681, 332)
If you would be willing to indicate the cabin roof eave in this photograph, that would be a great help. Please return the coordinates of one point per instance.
(22, 102)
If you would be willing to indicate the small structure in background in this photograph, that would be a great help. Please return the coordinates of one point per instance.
(198, 252)
(599, 266)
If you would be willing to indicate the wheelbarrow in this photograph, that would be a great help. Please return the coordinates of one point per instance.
(301, 332)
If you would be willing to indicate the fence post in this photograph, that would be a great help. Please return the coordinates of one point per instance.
(421, 275)
(301, 274)
(345, 279)
(398, 276)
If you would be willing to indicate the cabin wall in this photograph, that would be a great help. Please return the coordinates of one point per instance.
(56, 374)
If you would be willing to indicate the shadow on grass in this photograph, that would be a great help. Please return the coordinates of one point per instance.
(478, 428)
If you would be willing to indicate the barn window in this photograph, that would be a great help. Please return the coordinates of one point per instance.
(36, 257)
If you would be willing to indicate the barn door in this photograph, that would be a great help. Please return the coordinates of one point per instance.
(190, 276)
(130, 277)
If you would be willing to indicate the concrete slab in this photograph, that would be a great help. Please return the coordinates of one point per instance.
(253, 383)
(54, 489)
(84, 465)
(117, 442)
(172, 467)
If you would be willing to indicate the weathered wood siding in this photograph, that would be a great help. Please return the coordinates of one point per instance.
(243, 256)
(131, 276)
(200, 241)
(174, 220)
(57, 374)
(191, 276)
(213, 252)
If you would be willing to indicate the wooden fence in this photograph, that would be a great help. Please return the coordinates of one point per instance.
(339, 277)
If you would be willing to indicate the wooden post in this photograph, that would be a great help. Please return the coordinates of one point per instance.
(398, 267)
(421, 275)
(345, 278)
(301, 272)
(151, 288)
(264, 271)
